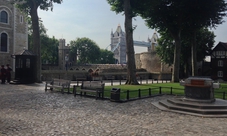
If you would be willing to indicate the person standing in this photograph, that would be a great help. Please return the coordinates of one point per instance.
(8, 73)
(3, 74)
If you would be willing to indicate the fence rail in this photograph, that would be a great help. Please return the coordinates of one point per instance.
(130, 95)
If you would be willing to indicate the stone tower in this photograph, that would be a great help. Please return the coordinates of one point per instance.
(13, 32)
(118, 45)
(63, 53)
(154, 41)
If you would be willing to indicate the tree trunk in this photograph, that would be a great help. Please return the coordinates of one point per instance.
(36, 41)
(176, 62)
(194, 56)
(131, 67)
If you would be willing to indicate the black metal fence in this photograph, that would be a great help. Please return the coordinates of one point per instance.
(121, 82)
(130, 95)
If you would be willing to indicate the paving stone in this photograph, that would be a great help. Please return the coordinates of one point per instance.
(27, 110)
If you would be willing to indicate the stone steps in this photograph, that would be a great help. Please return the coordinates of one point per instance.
(200, 105)
(214, 109)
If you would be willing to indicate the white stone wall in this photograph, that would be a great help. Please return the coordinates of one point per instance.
(151, 62)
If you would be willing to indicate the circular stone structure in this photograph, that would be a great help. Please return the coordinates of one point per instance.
(199, 89)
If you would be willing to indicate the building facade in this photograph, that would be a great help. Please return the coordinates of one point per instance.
(219, 62)
(13, 32)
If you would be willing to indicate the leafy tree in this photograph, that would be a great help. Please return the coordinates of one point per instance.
(127, 6)
(49, 49)
(86, 50)
(166, 16)
(49, 46)
(173, 16)
(106, 57)
(202, 14)
(205, 42)
(30, 7)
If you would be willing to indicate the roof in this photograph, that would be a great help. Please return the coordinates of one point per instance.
(24, 52)
(220, 44)
(223, 44)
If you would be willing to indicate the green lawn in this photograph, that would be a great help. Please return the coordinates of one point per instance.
(155, 89)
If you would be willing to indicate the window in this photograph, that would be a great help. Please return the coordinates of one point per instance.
(4, 17)
(220, 63)
(3, 44)
(19, 63)
(27, 63)
(220, 73)
(220, 53)
(21, 19)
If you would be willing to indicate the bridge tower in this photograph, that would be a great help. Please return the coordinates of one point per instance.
(118, 45)
(154, 42)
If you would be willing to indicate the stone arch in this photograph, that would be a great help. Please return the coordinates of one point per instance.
(9, 13)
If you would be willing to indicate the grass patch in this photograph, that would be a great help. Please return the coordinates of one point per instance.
(144, 89)
(166, 88)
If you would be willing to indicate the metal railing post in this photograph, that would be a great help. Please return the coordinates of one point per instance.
(149, 91)
(139, 93)
(223, 95)
(127, 94)
(160, 90)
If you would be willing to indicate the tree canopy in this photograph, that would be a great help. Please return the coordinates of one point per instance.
(205, 43)
(49, 46)
(30, 7)
(127, 7)
(173, 16)
(106, 57)
(86, 50)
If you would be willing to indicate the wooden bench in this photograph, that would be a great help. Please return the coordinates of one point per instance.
(81, 77)
(109, 77)
(96, 87)
(59, 84)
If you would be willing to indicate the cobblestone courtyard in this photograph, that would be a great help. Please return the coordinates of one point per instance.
(27, 110)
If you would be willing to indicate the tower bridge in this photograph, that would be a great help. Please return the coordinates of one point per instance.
(118, 44)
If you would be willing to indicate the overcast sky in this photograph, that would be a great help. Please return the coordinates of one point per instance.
(94, 19)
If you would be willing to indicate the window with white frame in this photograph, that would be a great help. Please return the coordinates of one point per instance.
(220, 53)
(3, 43)
(220, 63)
(220, 73)
(3, 17)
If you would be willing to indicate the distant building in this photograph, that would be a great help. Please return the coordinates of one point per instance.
(13, 32)
(63, 54)
(219, 62)
(118, 45)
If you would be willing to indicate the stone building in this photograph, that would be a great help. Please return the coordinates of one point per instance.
(13, 32)
(219, 62)
(63, 54)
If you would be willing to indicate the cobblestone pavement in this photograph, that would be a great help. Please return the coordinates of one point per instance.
(27, 110)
